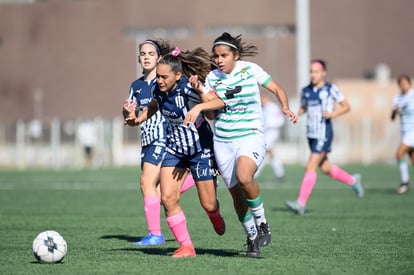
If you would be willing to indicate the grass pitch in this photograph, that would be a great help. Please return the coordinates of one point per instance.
(100, 212)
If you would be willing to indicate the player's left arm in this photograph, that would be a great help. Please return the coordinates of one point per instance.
(342, 108)
(280, 93)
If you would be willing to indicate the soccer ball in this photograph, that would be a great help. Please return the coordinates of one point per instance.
(49, 247)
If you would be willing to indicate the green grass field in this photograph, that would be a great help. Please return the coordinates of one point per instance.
(99, 213)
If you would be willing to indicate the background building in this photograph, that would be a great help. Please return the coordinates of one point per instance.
(75, 59)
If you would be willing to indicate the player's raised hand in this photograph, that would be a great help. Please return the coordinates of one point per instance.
(129, 106)
(292, 117)
(192, 115)
(195, 84)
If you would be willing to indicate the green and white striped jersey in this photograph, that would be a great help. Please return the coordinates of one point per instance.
(243, 116)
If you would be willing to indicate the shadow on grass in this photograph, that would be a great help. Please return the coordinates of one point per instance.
(168, 251)
(286, 210)
(40, 263)
(381, 191)
(280, 209)
(127, 238)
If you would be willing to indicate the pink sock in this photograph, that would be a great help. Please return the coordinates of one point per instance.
(340, 175)
(178, 226)
(188, 183)
(152, 210)
(306, 188)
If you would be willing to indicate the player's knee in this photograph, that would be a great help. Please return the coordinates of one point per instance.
(169, 200)
(209, 205)
(244, 178)
(325, 170)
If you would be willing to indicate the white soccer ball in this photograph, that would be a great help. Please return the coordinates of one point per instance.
(49, 247)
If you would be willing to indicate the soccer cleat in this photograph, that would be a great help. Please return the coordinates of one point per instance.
(403, 188)
(265, 236)
(253, 250)
(296, 207)
(151, 239)
(184, 251)
(218, 224)
(357, 186)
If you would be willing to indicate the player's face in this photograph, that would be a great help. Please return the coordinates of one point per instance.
(404, 85)
(166, 78)
(317, 74)
(148, 57)
(225, 58)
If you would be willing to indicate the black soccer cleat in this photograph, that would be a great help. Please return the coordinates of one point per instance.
(253, 250)
(265, 236)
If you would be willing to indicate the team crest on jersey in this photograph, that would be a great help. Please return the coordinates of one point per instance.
(244, 74)
(323, 94)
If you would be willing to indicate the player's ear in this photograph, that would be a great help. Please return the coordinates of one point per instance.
(236, 55)
(178, 76)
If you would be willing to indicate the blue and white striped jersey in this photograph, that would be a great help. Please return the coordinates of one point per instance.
(405, 103)
(316, 101)
(174, 105)
(152, 130)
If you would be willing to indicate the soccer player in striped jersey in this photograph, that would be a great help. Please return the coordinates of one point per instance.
(239, 142)
(403, 105)
(318, 100)
(152, 139)
(188, 146)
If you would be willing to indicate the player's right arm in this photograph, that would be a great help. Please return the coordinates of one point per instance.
(128, 108)
(395, 108)
(148, 112)
(394, 114)
(301, 110)
(303, 103)
(205, 97)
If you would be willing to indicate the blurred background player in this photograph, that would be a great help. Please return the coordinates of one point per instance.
(239, 142)
(87, 137)
(403, 105)
(152, 138)
(273, 121)
(189, 147)
(318, 101)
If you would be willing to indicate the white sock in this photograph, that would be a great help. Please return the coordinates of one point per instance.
(250, 226)
(278, 168)
(405, 176)
(259, 214)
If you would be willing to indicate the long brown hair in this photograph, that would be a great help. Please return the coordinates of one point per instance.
(195, 62)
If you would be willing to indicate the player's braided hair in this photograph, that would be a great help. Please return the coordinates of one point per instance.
(195, 62)
(236, 45)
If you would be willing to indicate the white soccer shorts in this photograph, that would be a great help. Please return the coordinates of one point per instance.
(227, 153)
